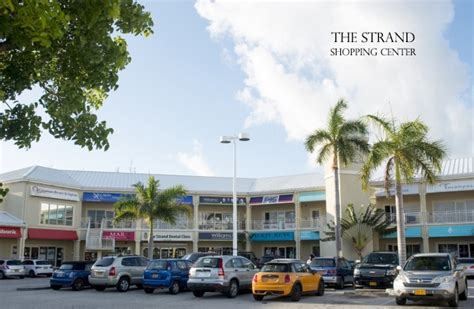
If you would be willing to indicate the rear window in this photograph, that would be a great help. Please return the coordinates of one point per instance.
(323, 263)
(276, 268)
(72, 266)
(428, 263)
(466, 261)
(105, 261)
(14, 262)
(207, 262)
(158, 265)
(381, 258)
(43, 263)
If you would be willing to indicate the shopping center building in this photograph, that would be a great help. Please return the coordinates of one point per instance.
(62, 215)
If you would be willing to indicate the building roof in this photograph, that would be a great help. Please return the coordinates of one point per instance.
(7, 219)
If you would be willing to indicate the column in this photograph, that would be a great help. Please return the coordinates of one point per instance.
(195, 223)
(138, 237)
(77, 250)
(248, 225)
(21, 243)
(424, 217)
(297, 225)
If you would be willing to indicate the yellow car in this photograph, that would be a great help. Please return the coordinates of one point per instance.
(286, 277)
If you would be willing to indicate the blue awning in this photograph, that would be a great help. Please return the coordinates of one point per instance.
(451, 231)
(272, 236)
(410, 232)
(312, 196)
(309, 235)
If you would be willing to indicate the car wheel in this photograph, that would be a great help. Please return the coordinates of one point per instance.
(99, 287)
(123, 284)
(257, 297)
(463, 295)
(55, 287)
(320, 291)
(149, 290)
(400, 301)
(31, 273)
(340, 284)
(233, 289)
(455, 300)
(78, 284)
(296, 292)
(22, 277)
(174, 289)
(198, 293)
(139, 286)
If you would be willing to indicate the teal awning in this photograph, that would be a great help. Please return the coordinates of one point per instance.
(451, 231)
(312, 196)
(410, 232)
(309, 235)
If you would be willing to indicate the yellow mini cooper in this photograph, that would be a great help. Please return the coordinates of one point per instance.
(286, 277)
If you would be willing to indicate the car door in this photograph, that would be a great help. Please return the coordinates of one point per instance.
(346, 270)
(248, 270)
(240, 272)
(183, 272)
(302, 275)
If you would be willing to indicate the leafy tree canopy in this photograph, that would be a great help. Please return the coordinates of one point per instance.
(71, 50)
(3, 192)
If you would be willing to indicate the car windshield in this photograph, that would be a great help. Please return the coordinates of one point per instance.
(322, 263)
(105, 261)
(187, 256)
(207, 262)
(276, 268)
(43, 263)
(428, 263)
(158, 265)
(381, 258)
(14, 262)
(71, 266)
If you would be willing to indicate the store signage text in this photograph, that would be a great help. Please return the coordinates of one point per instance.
(272, 236)
(169, 236)
(118, 235)
(272, 199)
(10, 232)
(465, 185)
(54, 193)
(218, 236)
(220, 200)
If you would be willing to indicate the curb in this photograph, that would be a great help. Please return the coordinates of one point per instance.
(34, 288)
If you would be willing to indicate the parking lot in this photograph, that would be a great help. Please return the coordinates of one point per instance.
(31, 295)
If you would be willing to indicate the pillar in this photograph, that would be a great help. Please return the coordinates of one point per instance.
(195, 223)
(21, 243)
(248, 225)
(77, 250)
(297, 225)
(424, 218)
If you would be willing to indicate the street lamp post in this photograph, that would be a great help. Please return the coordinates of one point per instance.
(243, 137)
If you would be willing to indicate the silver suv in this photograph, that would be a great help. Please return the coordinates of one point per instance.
(11, 268)
(118, 271)
(431, 276)
(221, 273)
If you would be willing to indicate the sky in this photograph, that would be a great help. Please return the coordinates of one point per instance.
(219, 68)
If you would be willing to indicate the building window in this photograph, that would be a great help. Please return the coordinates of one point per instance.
(453, 211)
(96, 217)
(411, 249)
(285, 252)
(54, 214)
(279, 220)
(462, 250)
(316, 250)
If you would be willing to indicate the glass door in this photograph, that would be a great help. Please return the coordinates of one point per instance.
(59, 256)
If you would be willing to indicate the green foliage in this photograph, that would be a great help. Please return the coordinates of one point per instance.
(3, 192)
(358, 226)
(72, 51)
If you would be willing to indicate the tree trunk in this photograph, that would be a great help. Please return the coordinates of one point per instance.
(337, 217)
(400, 212)
(150, 239)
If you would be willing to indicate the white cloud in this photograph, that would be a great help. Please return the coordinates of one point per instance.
(195, 161)
(283, 48)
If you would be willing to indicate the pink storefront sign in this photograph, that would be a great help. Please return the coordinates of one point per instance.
(118, 235)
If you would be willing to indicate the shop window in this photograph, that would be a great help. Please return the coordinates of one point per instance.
(316, 250)
(460, 250)
(54, 214)
(96, 217)
(411, 249)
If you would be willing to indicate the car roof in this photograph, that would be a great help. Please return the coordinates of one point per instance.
(170, 259)
(285, 261)
(431, 254)
(77, 262)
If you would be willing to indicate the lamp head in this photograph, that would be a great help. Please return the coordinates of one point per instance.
(243, 137)
(224, 140)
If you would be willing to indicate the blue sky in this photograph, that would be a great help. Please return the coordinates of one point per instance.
(180, 93)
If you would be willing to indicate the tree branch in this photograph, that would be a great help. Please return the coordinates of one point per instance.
(5, 46)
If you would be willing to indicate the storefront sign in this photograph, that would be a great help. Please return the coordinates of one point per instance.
(406, 190)
(272, 199)
(169, 236)
(220, 200)
(309, 235)
(118, 235)
(410, 232)
(312, 196)
(451, 231)
(274, 236)
(218, 236)
(450, 186)
(54, 193)
(10, 232)
(105, 197)
(186, 200)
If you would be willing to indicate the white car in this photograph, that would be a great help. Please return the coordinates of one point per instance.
(468, 264)
(35, 268)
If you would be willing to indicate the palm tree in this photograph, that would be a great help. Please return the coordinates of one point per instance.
(358, 226)
(343, 141)
(403, 150)
(150, 205)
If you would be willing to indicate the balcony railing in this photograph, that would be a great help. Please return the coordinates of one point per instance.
(180, 225)
(451, 216)
(410, 218)
(209, 225)
(107, 224)
(273, 225)
(312, 224)
(97, 243)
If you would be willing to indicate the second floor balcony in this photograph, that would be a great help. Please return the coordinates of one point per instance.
(273, 224)
(107, 224)
(465, 216)
(215, 225)
(410, 218)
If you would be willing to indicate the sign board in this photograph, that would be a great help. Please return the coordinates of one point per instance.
(218, 236)
(118, 235)
(272, 236)
(309, 235)
(272, 199)
(451, 186)
(409, 189)
(54, 193)
(169, 236)
(10, 232)
(451, 231)
(105, 197)
(220, 200)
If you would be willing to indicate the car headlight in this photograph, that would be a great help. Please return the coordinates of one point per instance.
(391, 272)
(443, 279)
(401, 277)
(356, 272)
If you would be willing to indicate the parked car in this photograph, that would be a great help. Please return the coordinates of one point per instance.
(38, 267)
(335, 271)
(431, 276)
(194, 256)
(249, 255)
(73, 274)
(267, 258)
(286, 277)
(221, 273)
(118, 271)
(377, 269)
(169, 274)
(10, 268)
(468, 264)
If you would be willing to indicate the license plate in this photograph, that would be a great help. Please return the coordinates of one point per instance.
(154, 276)
(420, 292)
(99, 273)
(373, 283)
(204, 274)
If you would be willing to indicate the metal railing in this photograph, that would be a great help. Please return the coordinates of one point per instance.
(273, 225)
(451, 216)
(410, 218)
(312, 223)
(107, 223)
(209, 225)
(180, 225)
(98, 243)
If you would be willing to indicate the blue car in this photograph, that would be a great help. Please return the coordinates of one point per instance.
(71, 274)
(335, 271)
(169, 274)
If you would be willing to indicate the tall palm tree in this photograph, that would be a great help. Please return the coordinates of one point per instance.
(343, 141)
(404, 150)
(150, 204)
(358, 226)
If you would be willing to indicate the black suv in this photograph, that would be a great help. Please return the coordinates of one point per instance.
(250, 255)
(377, 269)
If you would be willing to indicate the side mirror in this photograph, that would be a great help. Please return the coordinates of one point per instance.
(357, 261)
(398, 268)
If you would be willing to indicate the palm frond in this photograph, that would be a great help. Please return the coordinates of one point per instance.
(318, 137)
